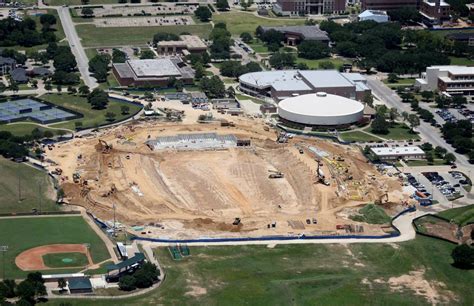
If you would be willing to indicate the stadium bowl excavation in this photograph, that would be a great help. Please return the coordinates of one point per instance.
(188, 181)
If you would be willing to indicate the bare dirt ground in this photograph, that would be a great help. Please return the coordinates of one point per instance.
(32, 259)
(184, 194)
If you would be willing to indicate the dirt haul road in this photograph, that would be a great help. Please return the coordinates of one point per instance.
(200, 193)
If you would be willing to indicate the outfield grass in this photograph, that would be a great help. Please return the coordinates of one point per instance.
(354, 274)
(24, 128)
(65, 260)
(460, 215)
(399, 131)
(358, 136)
(21, 234)
(314, 64)
(239, 22)
(92, 117)
(35, 186)
(102, 37)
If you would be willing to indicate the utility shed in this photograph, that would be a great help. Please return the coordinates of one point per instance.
(79, 285)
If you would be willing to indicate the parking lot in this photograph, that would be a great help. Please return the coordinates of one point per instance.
(155, 10)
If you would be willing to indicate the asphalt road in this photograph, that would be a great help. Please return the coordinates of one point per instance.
(76, 46)
(427, 132)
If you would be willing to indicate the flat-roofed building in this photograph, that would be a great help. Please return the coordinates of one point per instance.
(387, 5)
(187, 44)
(296, 34)
(308, 7)
(451, 80)
(152, 72)
(282, 84)
(394, 153)
(435, 11)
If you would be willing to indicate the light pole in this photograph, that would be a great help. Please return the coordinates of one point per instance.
(3, 249)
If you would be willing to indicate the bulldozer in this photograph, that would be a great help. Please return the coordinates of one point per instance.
(104, 146)
(275, 174)
(381, 199)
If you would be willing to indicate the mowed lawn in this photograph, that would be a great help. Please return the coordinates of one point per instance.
(78, 2)
(354, 274)
(25, 128)
(460, 215)
(21, 234)
(34, 186)
(92, 117)
(239, 22)
(358, 136)
(399, 131)
(101, 37)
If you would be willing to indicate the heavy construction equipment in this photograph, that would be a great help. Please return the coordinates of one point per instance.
(236, 221)
(275, 174)
(320, 176)
(104, 146)
(76, 177)
(382, 198)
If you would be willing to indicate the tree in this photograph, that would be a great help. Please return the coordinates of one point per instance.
(392, 77)
(164, 37)
(368, 99)
(245, 4)
(379, 125)
(414, 121)
(48, 134)
(393, 114)
(463, 256)
(280, 60)
(429, 157)
(427, 95)
(98, 99)
(203, 13)
(64, 60)
(302, 66)
(426, 146)
(110, 116)
(246, 37)
(34, 83)
(98, 65)
(71, 90)
(7, 288)
(47, 20)
(222, 5)
(405, 116)
(84, 90)
(198, 71)
(449, 158)
(59, 88)
(147, 54)
(14, 86)
(311, 49)
(458, 101)
(61, 281)
(48, 87)
(326, 65)
(118, 56)
(87, 12)
(124, 109)
(127, 283)
(213, 87)
(440, 151)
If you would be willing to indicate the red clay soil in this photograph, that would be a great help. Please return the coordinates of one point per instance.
(32, 259)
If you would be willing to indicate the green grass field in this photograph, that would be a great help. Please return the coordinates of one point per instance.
(460, 215)
(358, 136)
(354, 274)
(314, 64)
(24, 128)
(424, 162)
(461, 61)
(102, 37)
(21, 234)
(399, 131)
(243, 97)
(400, 82)
(239, 22)
(78, 2)
(31, 181)
(65, 260)
(92, 117)
(371, 214)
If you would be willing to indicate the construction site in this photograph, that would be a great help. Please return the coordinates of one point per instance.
(182, 180)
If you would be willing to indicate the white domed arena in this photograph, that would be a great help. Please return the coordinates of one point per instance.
(321, 109)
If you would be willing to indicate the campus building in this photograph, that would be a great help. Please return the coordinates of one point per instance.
(434, 11)
(187, 44)
(296, 34)
(451, 80)
(152, 72)
(377, 16)
(387, 5)
(394, 153)
(282, 84)
(308, 7)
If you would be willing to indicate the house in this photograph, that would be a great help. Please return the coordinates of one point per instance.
(79, 285)
(19, 75)
(374, 15)
(39, 72)
(7, 64)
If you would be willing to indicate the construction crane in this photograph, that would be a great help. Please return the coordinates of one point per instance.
(275, 174)
(105, 147)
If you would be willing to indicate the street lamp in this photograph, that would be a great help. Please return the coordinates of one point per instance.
(3, 249)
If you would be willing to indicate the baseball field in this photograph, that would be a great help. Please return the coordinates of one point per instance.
(57, 244)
